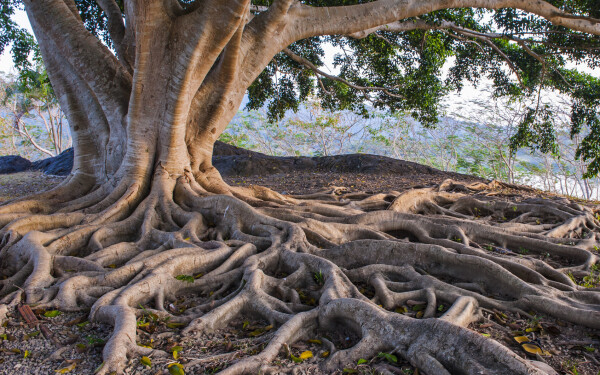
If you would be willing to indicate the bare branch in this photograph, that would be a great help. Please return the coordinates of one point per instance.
(311, 66)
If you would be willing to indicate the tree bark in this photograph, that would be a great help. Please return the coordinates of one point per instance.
(144, 204)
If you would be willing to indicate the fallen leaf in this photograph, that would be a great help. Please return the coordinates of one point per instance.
(31, 335)
(52, 314)
(176, 369)
(306, 355)
(315, 341)
(64, 370)
(531, 349)
(146, 361)
(186, 278)
(324, 354)
(521, 339)
(97, 370)
(389, 357)
(75, 321)
(361, 361)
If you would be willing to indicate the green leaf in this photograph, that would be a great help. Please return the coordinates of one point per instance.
(361, 361)
(52, 314)
(97, 370)
(176, 369)
(146, 361)
(389, 357)
(186, 278)
(31, 335)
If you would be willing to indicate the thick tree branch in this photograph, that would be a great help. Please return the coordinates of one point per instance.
(90, 59)
(314, 21)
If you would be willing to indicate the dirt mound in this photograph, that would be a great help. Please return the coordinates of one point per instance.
(234, 161)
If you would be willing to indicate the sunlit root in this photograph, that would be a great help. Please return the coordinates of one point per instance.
(302, 265)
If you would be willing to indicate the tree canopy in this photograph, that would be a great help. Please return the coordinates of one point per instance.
(398, 66)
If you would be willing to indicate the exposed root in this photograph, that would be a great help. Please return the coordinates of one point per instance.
(304, 264)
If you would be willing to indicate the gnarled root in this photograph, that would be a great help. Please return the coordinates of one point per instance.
(306, 264)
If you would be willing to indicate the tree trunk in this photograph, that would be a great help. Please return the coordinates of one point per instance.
(144, 205)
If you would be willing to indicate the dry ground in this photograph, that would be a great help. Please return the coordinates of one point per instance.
(23, 350)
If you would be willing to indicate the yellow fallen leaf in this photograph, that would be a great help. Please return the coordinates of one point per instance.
(146, 361)
(315, 341)
(325, 355)
(532, 349)
(521, 339)
(306, 355)
(64, 370)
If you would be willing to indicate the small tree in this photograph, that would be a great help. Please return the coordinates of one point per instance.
(30, 97)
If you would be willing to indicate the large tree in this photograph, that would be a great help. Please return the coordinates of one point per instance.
(149, 85)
